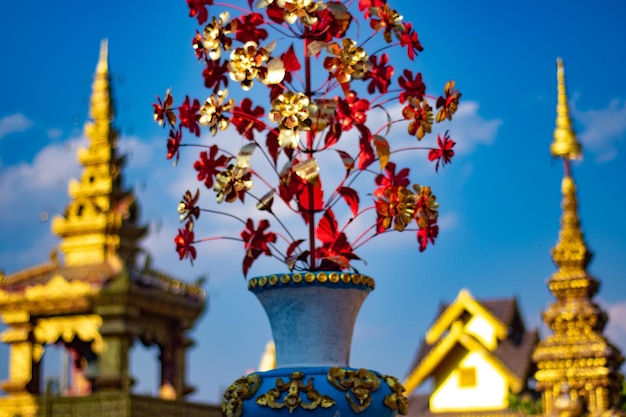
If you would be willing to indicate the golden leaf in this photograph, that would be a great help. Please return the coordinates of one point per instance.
(382, 150)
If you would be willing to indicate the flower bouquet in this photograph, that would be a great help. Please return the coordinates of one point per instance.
(318, 97)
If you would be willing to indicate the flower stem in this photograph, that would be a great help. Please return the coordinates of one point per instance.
(310, 138)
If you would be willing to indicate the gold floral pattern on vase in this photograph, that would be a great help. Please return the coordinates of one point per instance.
(292, 400)
(357, 384)
(240, 390)
(396, 400)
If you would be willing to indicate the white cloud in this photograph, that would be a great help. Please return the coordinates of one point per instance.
(53, 166)
(602, 129)
(616, 326)
(14, 123)
(469, 129)
(448, 221)
(54, 133)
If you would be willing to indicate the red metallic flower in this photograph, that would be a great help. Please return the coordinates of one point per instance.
(427, 234)
(380, 74)
(173, 144)
(352, 110)
(391, 179)
(247, 120)
(248, 28)
(256, 242)
(188, 115)
(208, 164)
(215, 74)
(413, 87)
(444, 153)
(332, 22)
(163, 110)
(447, 105)
(365, 5)
(184, 243)
(197, 8)
(198, 46)
(408, 38)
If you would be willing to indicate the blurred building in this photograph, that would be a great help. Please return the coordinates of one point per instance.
(477, 353)
(95, 300)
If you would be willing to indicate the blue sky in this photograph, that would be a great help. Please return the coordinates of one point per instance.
(500, 197)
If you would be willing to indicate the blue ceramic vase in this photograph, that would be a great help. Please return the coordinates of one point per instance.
(312, 316)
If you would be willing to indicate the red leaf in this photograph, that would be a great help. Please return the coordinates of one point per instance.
(333, 134)
(326, 230)
(290, 60)
(347, 160)
(293, 246)
(351, 197)
(366, 152)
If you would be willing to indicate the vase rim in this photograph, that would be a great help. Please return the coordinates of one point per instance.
(332, 279)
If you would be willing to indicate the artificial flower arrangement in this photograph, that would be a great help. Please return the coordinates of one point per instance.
(319, 84)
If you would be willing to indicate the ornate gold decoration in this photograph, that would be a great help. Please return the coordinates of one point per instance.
(23, 405)
(59, 287)
(565, 143)
(310, 277)
(240, 390)
(396, 400)
(357, 384)
(86, 328)
(576, 356)
(292, 400)
(99, 221)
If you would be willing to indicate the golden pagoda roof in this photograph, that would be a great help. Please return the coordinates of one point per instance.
(99, 233)
(511, 355)
(101, 219)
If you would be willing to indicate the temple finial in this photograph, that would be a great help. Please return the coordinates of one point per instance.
(571, 252)
(565, 144)
(101, 109)
(103, 61)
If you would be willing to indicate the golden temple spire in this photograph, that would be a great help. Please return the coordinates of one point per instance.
(571, 254)
(99, 223)
(565, 143)
(576, 360)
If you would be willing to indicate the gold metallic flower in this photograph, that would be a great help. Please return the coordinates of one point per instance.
(397, 204)
(384, 17)
(212, 111)
(292, 113)
(246, 64)
(294, 9)
(347, 61)
(422, 115)
(426, 205)
(232, 183)
(215, 39)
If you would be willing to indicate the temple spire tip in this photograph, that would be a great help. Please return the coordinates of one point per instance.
(565, 144)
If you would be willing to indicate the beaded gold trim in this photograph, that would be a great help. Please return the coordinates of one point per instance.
(310, 277)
